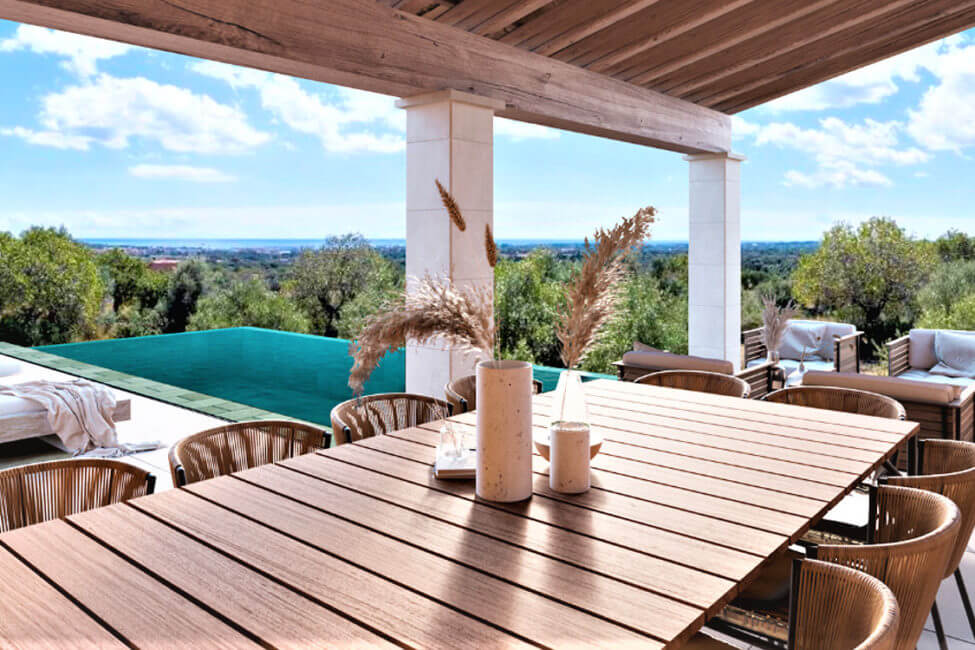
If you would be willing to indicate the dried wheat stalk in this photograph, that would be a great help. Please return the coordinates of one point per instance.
(775, 321)
(490, 247)
(434, 309)
(452, 208)
(591, 298)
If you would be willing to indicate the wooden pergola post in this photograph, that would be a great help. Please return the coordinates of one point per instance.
(714, 257)
(450, 138)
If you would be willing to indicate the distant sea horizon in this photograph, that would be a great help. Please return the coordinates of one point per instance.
(216, 243)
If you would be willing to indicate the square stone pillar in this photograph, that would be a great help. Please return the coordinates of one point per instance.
(450, 138)
(714, 257)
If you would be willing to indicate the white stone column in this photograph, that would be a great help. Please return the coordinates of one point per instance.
(450, 137)
(714, 261)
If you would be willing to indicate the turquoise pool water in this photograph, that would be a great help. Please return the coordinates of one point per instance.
(298, 375)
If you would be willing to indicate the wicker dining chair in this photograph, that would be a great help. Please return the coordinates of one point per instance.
(235, 447)
(698, 380)
(461, 393)
(847, 400)
(912, 538)
(378, 414)
(31, 494)
(834, 608)
(948, 467)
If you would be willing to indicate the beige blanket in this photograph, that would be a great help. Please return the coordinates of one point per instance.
(79, 411)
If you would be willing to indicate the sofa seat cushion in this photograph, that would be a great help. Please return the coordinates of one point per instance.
(958, 384)
(669, 361)
(910, 390)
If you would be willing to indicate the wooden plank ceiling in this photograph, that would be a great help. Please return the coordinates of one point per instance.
(727, 55)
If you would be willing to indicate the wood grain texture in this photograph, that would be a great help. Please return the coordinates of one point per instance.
(145, 612)
(368, 46)
(34, 615)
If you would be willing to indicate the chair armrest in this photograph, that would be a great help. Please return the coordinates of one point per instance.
(759, 378)
(752, 342)
(846, 353)
(898, 355)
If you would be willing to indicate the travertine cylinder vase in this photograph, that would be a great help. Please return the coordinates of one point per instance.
(568, 470)
(504, 430)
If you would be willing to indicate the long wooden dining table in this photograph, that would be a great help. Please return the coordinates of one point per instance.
(359, 545)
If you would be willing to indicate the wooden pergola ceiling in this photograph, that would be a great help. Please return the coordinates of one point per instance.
(662, 73)
(727, 55)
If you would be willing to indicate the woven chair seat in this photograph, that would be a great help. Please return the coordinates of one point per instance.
(35, 493)
(235, 447)
(698, 380)
(374, 415)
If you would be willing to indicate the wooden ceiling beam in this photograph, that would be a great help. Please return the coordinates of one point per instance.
(820, 27)
(510, 16)
(489, 16)
(614, 52)
(364, 45)
(838, 64)
(829, 47)
(574, 21)
(645, 69)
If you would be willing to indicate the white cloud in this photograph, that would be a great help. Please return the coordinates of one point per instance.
(742, 128)
(112, 111)
(870, 84)
(181, 173)
(845, 154)
(347, 121)
(945, 117)
(53, 139)
(83, 52)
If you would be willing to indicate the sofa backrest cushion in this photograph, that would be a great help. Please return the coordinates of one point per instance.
(643, 347)
(907, 390)
(667, 361)
(955, 354)
(922, 353)
(802, 335)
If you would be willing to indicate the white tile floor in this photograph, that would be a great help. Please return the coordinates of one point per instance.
(151, 420)
(155, 420)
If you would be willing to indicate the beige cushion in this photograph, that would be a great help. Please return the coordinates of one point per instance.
(668, 361)
(643, 347)
(900, 389)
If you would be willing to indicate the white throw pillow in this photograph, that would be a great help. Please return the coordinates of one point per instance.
(801, 335)
(955, 354)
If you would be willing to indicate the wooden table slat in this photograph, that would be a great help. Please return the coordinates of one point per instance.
(672, 580)
(285, 617)
(522, 612)
(33, 614)
(141, 609)
(363, 595)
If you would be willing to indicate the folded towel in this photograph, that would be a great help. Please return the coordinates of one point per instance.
(80, 413)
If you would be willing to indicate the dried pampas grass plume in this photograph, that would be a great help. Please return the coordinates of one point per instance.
(490, 247)
(452, 208)
(592, 296)
(775, 321)
(435, 308)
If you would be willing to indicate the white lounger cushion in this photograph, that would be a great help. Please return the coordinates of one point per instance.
(10, 405)
(896, 387)
(8, 367)
(667, 361)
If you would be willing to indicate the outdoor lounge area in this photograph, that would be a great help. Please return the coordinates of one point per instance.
(761, 491)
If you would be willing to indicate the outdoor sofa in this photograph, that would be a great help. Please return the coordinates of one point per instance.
(829, 347)
(643, 360)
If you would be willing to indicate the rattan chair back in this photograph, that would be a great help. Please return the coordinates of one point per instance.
(839, 608)
(698, 380)
(912, 539)
(31, 494)
(235, 447)
(848, 400)
(461, 393)
(948, 468)
(376, 415)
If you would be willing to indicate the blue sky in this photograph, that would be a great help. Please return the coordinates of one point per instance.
(117, 141)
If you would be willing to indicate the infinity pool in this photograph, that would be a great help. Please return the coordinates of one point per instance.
(298, 375)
